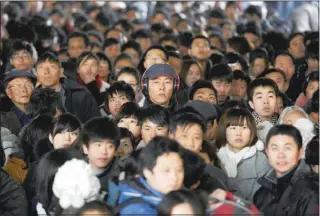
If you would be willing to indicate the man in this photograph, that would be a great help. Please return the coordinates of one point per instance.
(159, 85)
(21, 56)
(75, 98)
(289, 188)
(18, 86)
(200, 49)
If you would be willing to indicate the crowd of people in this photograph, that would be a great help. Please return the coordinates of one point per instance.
(160, 108)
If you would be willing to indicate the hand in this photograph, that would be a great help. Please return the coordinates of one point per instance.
(219, 194)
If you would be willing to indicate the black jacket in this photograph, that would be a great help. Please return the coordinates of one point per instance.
(12, 197)
(111, 171)
(296, 193)
(79, 101)
(173, 104)
(11, 121)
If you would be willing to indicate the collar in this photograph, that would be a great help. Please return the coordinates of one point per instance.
(19, 112)
(144, 182)
(258, 120)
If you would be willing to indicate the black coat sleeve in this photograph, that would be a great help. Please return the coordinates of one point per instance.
(92, 109)
(95, 91)
(13, 200)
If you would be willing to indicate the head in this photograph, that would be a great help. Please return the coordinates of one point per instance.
(154, 122)
(100, 140)
(277, 75)
(130, 76)
(200, 48)
(175, 60)
(312, 56)
(105, 66)
(118, 94)
(253, 34)
(237, 128)
(285, 62)
(291, 114)
(283, 148)
(191, 71)
(235, 61)
(238, 44)
(111, 48)
(127, 143)
(94, 208)
(296, 46)
(117, 34)
(87, 65)
(312, 154)
(162, 165)
(240, 84)
(49, 71)
(143, 37)
(21, 56)
(221, 78)
(262, 96)
(78, 42)
(282, 102)
(66, 130)
(216, 16)
(129, 117)
(155, 54)
(311, 84)
(123, 60)
(170, 40)
(134, 49)
(203, 90)
(216, 40)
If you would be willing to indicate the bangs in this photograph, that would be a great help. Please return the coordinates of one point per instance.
(236, 120)
(67, 123)
(237, 117)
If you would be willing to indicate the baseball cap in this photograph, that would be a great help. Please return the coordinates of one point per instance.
(159, 70)
(206, 109)
(18, 73)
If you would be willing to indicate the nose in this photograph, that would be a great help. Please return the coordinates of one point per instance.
(238, 131)
(266, 100)
(153, 133)
(162, 86)
(67, 136)
(281, 154)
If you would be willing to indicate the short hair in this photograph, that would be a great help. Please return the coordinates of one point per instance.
(259, 53)
(100, 128)
(133, 45)
(185, 38)
(217, 13)
(219, 36)
(103, 57)
(276, 39)
(283, 53)
(125, 133)
(261, 82)
(44, 101)
(157, 147)
(253, 10)
(234, 104)
(292, 36)
(140, 66)
(199, 85)
(236, 117)
(96, 205)
(48, 56)
(85, 56)
(186, 64)
(123, 56)
(96, 34)
(66, 122)
(233, 57)
(141, 33)
(272, 70)
(239, 44)
(19, 45)
(313, 76)
(156, 114)
(125, 24)
(109, 42)
(172, 51)
(312, 50)
(120, 87)
(240, 75)
(77, 34)
(221, 72)
(128, 110)
(131, 71)
(287, 130)
(185, 118)
(112, 29)
(312, 151)
(315, 102)
(172, 38)
(199, 37)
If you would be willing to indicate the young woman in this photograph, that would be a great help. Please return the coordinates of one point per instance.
(240, 152)
(310, 85)
(127, 145)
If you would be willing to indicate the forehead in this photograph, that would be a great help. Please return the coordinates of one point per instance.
(204, 91)
(22, 51)
(167, 158)
(76, 40)
(162, 77)
(239, 81)
(263, 90)
(47, 62)
(191, 127)
(155, 52)
(199, 41)
(274, 74)
(297, 38)
(281, 140)
(148, 123)
(117, 94)
(295, 113)
(19, 80)
(126, 76)
(283, 58)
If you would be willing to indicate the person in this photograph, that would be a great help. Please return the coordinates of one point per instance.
(133, 48)
(111, 47)
(18, 86)
(159, 85)
(277, 75)
(258, 62)
(126, 147)
(154, 122)
(312, 154)
(105, 66)
(313, 109)
(239, 148)
(200, 49)
(240, 84)
(118, 94)
(21, 56)
(155, 54)
(296, 46)
(75, 98)
(100, 140)
(310, 85)
(288, 188)
(121, 61)
(203, 90)
(182, 202)
(94, 208)
(175, 60)
(161, 172)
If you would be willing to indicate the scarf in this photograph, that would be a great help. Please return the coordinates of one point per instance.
(98, 81)
(258, 120)
(230, 159)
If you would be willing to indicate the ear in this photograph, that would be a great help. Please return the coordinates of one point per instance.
(144, 64)
(147, 173)
(11, 61)
(85, 149)
(8, 93)
(50, 138)
(301, 152)
(251, 104)
(61, 71)
(189, 51)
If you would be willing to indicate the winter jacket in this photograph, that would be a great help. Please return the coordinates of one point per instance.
(9, 142)
(13, 200)
(10, 121)
(112, 170)
(138, 188)
(296, 193)
(173, 105)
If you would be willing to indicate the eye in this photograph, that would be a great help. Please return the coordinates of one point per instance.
(121, 121)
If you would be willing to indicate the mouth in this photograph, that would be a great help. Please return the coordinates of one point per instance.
(238, 140)
(102, 159)
(282, 163)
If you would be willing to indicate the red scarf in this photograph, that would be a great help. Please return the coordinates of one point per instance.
(98, 81)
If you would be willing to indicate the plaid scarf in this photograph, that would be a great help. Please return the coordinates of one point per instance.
(258, 120)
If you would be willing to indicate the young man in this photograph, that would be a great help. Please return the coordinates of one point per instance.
(134, 49)
(111, 48)
(159, 85)
(203, 90)
(21, 56)
(240, 83)
(221, 78)
(175, 61)
(100, 140)
(200, 49)
(75, 98)
(154, 121)
(162, 172)
(289, 188)
(18, 86)
(277, 75)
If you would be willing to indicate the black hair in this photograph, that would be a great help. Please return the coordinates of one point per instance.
(86, 27)
(312, 151)
(221, 72)
(174, 198)
(253, 28)
(157, 27)
(133, 45)
(172, 38)
(125, 133)
(269, 49)
(313, 76)
(233, 57)
(253, 10)
(259, 53)
(315, 102)
(103, 18)
(80, 18)
(110, 41)
(15, 28)
(234, 104)
(219, 36)
(157, 147)
(123, 56)
(312, 50)
(240, 75)
(100, 128)
(95, 205)
(173, 53)
(239, 44)
(94, 44)
(199, 37)
(19, 45)
(2, 155)
(276, 39)
(46, 170)
(103, 57)
(285, 99)
(85, 56)
(283, 53)
(96, 34)
(78, 34)
(141, 33)
(131, 166)
(141, 67)
(156, 114)
(184, 118)
(201, 84)
(66, 122)
(185, 38)
(13, 10)
(288, 130)
(112, 29)
(292, 36)
(128, 110)
(261, 82)
(48, 56)
(272, 70)
(132, 71)
(44, 101)
(125, 24)
(217, 13)
(57, 11)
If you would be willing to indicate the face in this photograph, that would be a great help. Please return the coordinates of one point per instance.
(258, 66)
(125, 147)
(215, 42)
(176, 64)
(158, 18)
(48, 74)
(88, 68)
(264, 101)
(22, 60)
(129, 79)
(154, 56)
(279, 79)
(285, 63)
(64, 139)
(279, 105)
(200, 49)
(150, 130)
(253, 39)
(134, 54)
(115, 102)
(296, 47)
(227, 31)
(182, 209)
(161, 90)
(313, 64)
(193, 75)
(100, 153)
(132, 125)
(293, 116)
(19, 90)
(145, 43)
(206, 95)
(167, 175)
(311, 88)
(114, 34)
(239, 89)
(76, 47)
(190, 137)
(283, 153)
(223, 89)
(183, 26)
(103, 70)
(112, 51)
(238, 137)
(123, 63)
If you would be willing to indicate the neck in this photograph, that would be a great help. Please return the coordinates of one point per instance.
(233, 149)
(56, 87)
(22, 107)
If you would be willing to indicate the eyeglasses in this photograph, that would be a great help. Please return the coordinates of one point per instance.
(18, 57)
(19, 87)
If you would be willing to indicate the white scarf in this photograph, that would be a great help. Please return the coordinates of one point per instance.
(230, 159)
